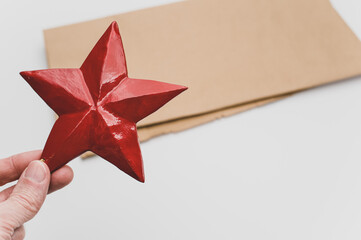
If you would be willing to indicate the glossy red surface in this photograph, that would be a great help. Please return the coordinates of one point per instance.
(98, 107)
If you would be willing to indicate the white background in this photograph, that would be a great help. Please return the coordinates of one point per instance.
(288, 170)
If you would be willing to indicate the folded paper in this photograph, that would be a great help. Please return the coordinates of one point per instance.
(233, 54)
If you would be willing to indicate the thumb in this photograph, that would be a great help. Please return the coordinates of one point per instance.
(27, 197)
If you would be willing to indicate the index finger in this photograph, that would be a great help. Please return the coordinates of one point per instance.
(12, 167)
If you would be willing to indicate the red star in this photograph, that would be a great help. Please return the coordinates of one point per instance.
(98, 107)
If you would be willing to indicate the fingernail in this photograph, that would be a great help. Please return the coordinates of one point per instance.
(35, 172)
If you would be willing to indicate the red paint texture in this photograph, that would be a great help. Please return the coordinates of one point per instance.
(99, 106)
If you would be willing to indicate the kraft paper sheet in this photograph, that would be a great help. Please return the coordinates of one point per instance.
(232, 54)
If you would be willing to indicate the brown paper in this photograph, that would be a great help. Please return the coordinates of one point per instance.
(232, 54)
(150, 131)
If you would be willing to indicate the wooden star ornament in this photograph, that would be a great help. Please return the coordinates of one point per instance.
(98, 107)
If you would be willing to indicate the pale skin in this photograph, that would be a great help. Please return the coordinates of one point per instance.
(21, 202)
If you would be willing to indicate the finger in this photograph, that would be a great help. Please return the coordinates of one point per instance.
(19, 233)
(12, 167)
(27, 197)
(59, 179)
(4, 195)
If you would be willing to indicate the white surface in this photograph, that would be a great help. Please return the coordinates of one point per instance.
(289, 170)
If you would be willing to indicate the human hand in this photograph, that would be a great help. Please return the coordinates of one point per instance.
(20, 203)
